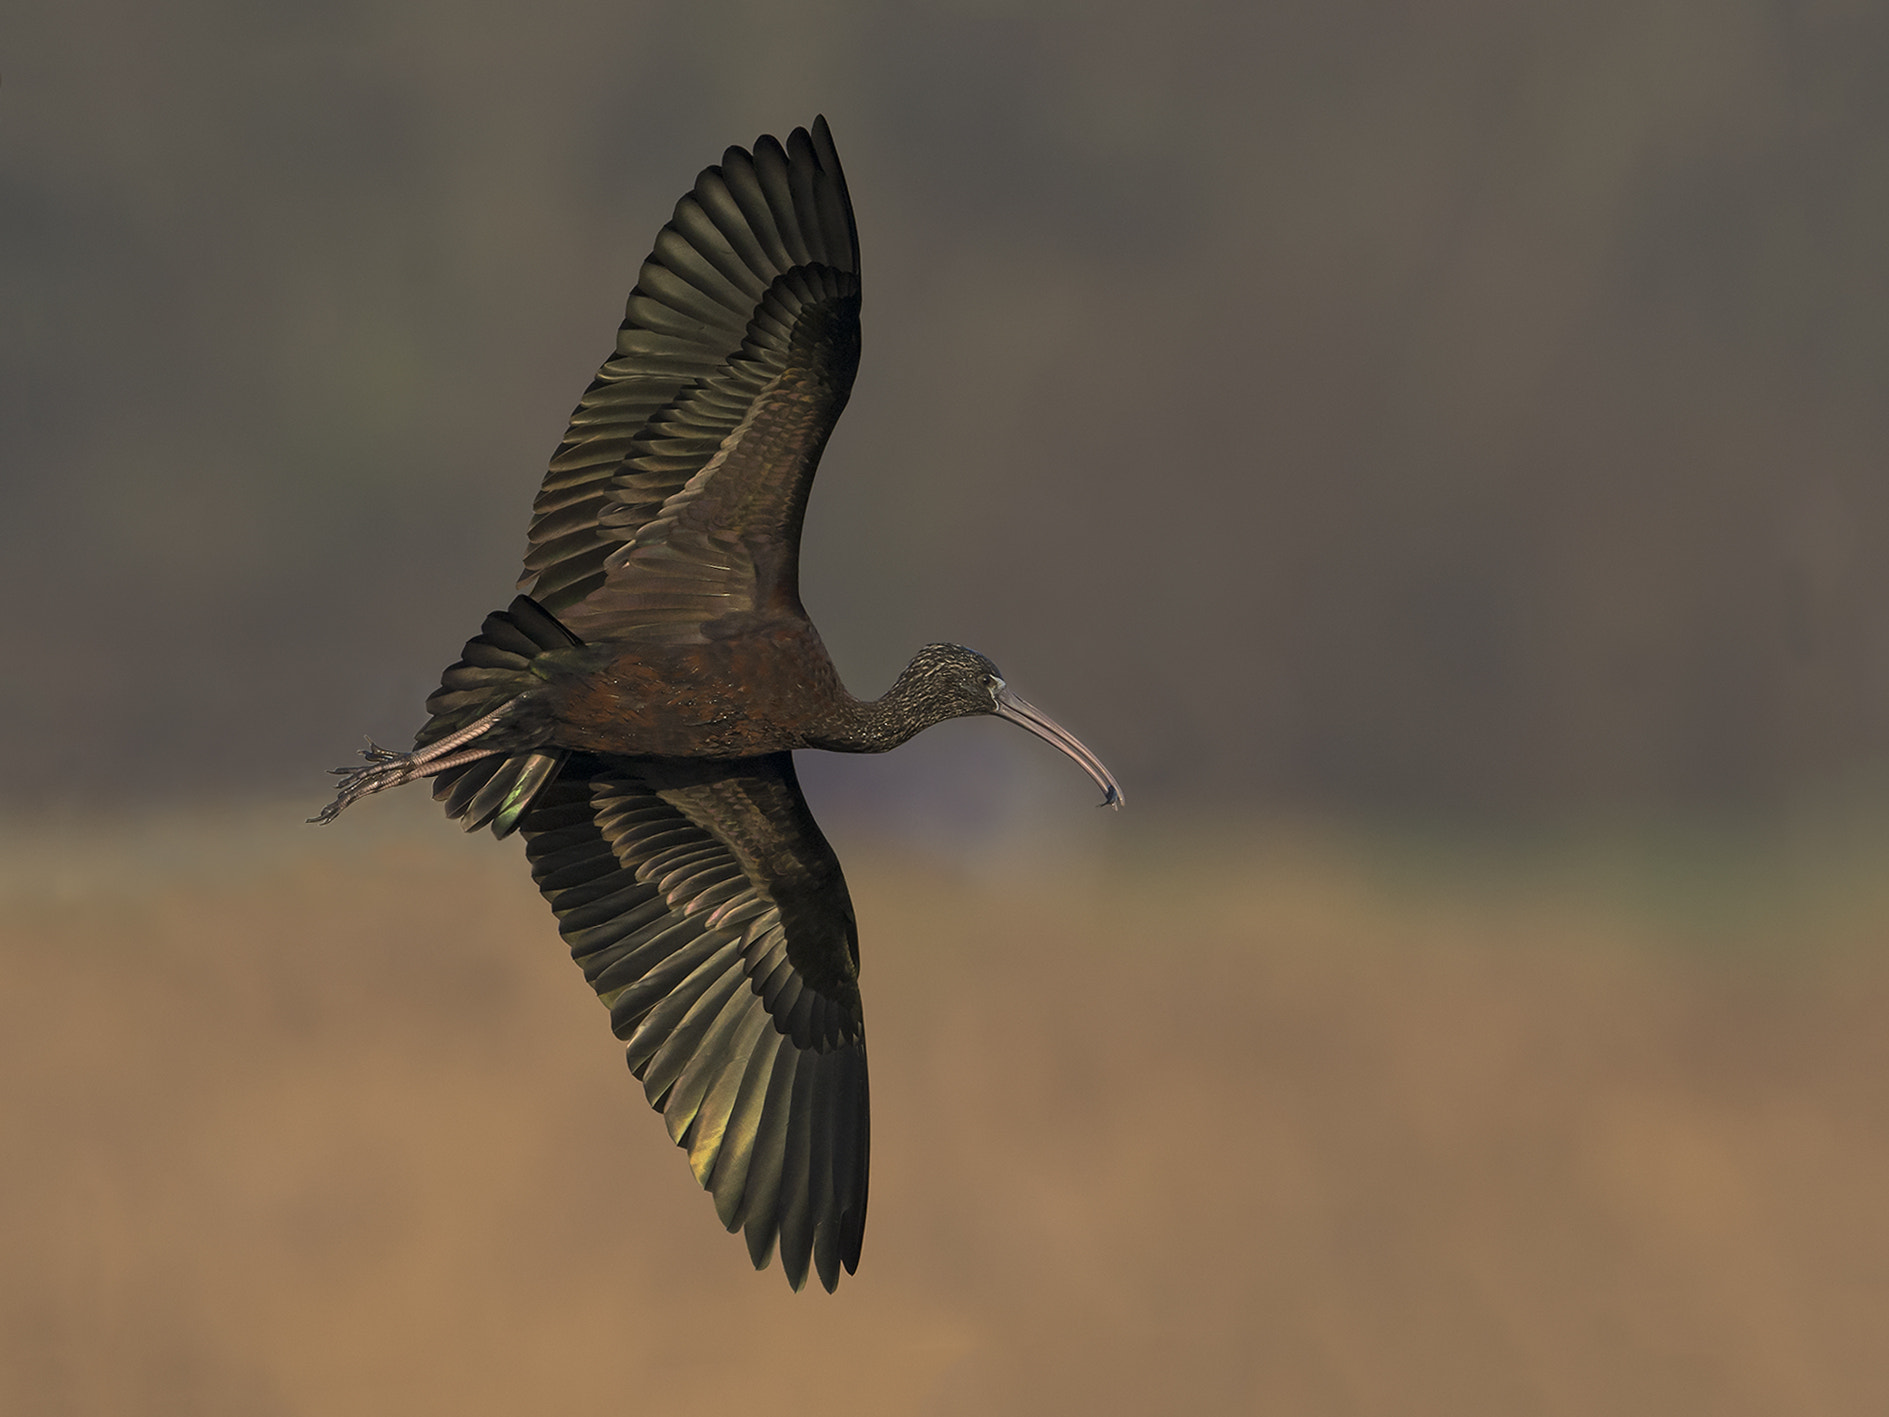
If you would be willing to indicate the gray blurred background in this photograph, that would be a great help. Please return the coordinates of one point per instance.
(1467, 409)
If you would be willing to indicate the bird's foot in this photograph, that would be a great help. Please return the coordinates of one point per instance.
(385, 768)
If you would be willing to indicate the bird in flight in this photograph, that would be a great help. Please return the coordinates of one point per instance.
(634, 712)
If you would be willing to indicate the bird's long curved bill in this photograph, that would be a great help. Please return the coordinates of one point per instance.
(1016, 710)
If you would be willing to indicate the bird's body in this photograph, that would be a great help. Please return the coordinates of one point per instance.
(674, 701)
(634, 716)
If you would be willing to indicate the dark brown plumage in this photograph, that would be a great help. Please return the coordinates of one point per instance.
(634, 714)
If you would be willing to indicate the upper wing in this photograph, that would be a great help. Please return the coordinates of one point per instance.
(677, 493)
(710, 916)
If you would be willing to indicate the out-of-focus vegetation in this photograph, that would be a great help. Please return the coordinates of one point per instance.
(1273, 1120)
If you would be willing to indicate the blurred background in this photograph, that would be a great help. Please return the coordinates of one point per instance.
(1436, 455)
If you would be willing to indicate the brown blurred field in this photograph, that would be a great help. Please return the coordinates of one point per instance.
(325, 1122)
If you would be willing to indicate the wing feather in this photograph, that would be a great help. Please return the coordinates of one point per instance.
(823, 1216)
(796, 1202)
(710, 916)
(676, 1032)
(712, 1080)
(723, 209)
(760, 1214)
(732, 1166)
(742, 328)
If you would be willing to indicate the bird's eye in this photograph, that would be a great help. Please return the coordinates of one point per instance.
(994, 683)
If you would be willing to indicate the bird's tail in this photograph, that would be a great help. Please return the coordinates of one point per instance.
(492, 671)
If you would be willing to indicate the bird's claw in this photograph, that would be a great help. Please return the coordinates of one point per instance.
(385, 768)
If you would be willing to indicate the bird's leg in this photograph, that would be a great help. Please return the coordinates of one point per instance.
(386, 768)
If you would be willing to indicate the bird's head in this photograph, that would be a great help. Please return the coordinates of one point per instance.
(950, 681)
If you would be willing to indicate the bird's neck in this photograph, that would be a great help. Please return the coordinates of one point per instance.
(881, 724)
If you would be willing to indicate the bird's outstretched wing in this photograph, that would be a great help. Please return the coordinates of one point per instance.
(676, 496)
(710, 915)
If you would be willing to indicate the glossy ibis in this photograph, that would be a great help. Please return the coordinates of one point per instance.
(635, 711)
